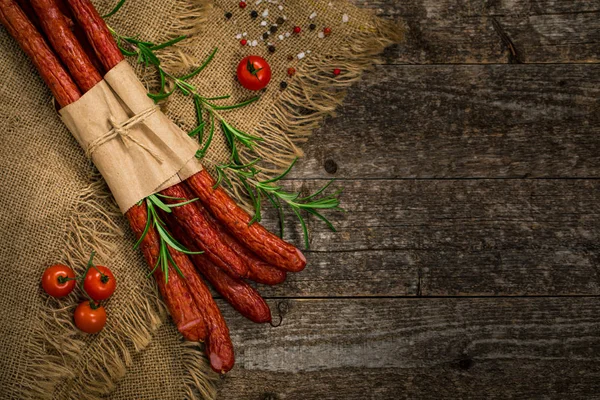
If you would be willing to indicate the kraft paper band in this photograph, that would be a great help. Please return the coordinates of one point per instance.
(137, 149)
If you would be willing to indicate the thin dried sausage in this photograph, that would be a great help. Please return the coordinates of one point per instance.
(263, 243)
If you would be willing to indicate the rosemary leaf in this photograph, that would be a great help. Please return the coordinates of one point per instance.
(233, 106)
(218, 97)
(304, 228)
(197, 130)
(115, 10)
(283, 175)
(168, 43)
(201, 153)
(201, 67)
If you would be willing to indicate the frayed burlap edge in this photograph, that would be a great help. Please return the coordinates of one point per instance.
(58, 358)
(57, 348)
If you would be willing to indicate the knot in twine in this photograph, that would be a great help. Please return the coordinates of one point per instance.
(122, 130)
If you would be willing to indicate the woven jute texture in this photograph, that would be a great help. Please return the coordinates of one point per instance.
(55, 208)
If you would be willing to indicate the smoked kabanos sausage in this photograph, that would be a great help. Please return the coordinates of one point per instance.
(175, 293)
(202, 234)
(263, 243)
(97, 32)
(219, 347)
(64, 42)
(244, 298)
(258, 270)
(17, 24)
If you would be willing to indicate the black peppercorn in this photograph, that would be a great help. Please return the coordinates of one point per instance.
(228, 15)
(265, 35)
(283, 84)
(280, 21)
(273, 29)
(254, 14)
(312, 27)
(271, 49)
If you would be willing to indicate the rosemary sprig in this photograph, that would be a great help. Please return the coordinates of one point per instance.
(153, 203)
(277, 196)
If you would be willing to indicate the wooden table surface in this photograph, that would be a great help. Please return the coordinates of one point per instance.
(468, 263)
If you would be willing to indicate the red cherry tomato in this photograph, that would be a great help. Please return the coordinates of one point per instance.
(254, 73)
(55, 283)
(90, 318)
(99, 283)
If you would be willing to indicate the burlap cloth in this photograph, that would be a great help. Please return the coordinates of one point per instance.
(54, 207)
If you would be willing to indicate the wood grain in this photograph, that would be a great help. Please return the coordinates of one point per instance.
(463, 31)
(452, 237)
(463, 121)
(416, 349)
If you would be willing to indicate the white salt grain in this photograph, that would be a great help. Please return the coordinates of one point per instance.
(265, 13)
(321, 35)
(238, 36)
(281, 37)
(258, 2)
(345, 18)
(245, 34)
(254, 43)
(263, 23)
(301, 56)
(313, 15)
(288, 34)
(280, 7)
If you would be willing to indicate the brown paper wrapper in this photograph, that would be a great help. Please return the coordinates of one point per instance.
(137, 149)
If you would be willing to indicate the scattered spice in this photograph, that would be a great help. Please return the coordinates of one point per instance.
(243, 4)
(337, 71)
(228, 15)
(243, 42)
(297, 29)
(327, 31)
(265, 35)
(273, 28)
(283, 84)
(280, 21)
(271, 48)
(290, 57)
(291, 71)
(254, 14)
(312, 27)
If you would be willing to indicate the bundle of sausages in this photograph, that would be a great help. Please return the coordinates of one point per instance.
(72, 48)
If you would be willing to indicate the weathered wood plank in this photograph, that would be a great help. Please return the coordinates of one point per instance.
(463, 121)
(453, 237)
(462, 31)
(407, 349)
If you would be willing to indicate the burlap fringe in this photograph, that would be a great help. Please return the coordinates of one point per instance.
(60, 361)
(57, 348)
(201, 378)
